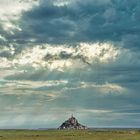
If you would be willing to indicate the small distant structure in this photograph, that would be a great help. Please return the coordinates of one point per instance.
(72, 123)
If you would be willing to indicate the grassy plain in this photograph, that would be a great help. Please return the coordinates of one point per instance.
(69, 135)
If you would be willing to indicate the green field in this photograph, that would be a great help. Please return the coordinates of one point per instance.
(69, 135)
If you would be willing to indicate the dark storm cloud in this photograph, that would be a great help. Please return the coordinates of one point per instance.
(109, 20)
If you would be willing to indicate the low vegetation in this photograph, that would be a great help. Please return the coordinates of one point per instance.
(69, 135)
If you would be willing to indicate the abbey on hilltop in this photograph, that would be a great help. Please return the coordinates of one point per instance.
(72, 123)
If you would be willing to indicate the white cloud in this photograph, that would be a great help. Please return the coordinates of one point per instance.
(112, 88)
(9, 50)
(105, 89)
(2, 38)
(62, 57)
(98, 52)
(5, 72)
(94, 111)
(28, 88)
(61, 2)
(5, 63)
(11, 11)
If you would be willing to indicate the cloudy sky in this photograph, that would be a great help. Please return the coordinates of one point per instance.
(63, 57)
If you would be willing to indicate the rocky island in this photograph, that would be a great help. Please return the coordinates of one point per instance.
(72, 123)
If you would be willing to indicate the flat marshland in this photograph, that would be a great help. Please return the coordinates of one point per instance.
(70, 134)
